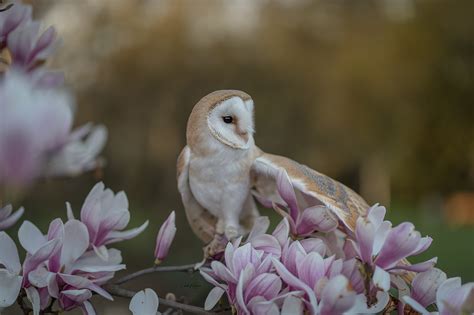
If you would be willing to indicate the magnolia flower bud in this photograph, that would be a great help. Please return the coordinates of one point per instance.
(165, 238)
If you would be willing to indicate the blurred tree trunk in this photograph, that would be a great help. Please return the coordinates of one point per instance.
(375, 180)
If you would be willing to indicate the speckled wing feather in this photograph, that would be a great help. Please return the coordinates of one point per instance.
(343, 201)
(201, 221)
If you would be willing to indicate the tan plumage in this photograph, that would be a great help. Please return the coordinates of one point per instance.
(257, 168)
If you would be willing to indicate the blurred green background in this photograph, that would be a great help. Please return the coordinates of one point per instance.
(377, 94)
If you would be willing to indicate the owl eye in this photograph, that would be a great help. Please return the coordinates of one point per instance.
(228, 119)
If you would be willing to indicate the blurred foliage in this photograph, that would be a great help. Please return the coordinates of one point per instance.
(342, 86)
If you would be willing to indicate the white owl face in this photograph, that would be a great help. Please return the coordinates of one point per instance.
(231, 122)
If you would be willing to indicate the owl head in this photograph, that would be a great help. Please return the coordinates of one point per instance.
(223, 117)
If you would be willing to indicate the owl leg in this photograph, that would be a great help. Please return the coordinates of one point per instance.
(220, 226)
(231, 224)
(248, 216)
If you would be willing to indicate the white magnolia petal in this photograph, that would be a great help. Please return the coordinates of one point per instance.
(11, 219)
(144, 302)
(34, 298)
(70, 213)
(101, 252)
(380, 236)
(213, 298)
(292, 305)
(260, 226)
(381, 279)
(117, 236)
(88, 309)
(76, 241)
(39, 277)
(10, 285)
(9, 254)
(30, 237)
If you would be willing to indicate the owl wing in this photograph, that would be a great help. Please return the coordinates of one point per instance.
(310, 186)
(202, 222)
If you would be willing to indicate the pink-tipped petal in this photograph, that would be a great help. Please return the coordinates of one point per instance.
(314, 245)
(401, 241)
(165, 237)
(267, 285)
(317, 218)
(282, 231)
(425, 285)
(287, 193)
(268, 243)
(294, 282)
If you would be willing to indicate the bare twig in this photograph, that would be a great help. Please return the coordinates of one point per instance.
(121, 292)
(184, 268)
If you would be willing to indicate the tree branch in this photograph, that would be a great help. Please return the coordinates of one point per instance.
(184, 268)
(125, 293)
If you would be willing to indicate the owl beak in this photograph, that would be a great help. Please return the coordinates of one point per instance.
(244, 135)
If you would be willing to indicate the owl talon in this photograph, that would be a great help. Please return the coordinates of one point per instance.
(215, 247)
(231, 232)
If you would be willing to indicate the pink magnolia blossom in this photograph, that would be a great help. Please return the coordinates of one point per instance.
(450, 296)
(326, 290)
(302, 223)
(59, 266)
(7, 218)
(144, 302)
(382, 248)
(165, 238)
(225, 276)
(13, 18)
(29, 49)
(105, 216)
(27, 149)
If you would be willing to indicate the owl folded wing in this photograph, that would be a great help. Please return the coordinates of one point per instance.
(311, 187)
(202, 222)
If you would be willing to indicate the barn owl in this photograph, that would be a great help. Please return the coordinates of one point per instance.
(220, 168)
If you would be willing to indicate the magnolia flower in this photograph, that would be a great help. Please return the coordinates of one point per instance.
(382, 248)
(10, 267)
(321, 281)
(302, 223)
(225, 277)
(7, 218)
(25, 143)
(29, 49)
(105, 215)
(144, 302)
(13, 18)
(58, 266)
(253, 293)
(27, 149)
(165, 238)
(432, 286)
(454, 298)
